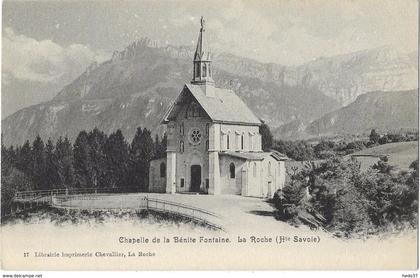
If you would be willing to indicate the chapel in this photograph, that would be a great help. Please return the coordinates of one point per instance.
(214, 144)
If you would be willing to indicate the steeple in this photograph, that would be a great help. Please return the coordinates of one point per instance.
(202, 71)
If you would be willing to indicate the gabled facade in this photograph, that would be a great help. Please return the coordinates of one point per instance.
(214, 144)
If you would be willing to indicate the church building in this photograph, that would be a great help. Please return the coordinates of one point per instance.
(214, 144)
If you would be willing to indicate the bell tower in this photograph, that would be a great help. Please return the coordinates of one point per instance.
(202, 72)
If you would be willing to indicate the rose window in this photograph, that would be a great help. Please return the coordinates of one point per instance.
(195, 136)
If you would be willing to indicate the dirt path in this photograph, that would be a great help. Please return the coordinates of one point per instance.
(245, 215)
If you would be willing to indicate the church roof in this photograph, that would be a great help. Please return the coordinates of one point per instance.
(256, 155)
(221, 105)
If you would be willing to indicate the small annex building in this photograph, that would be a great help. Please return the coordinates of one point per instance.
(214, 145)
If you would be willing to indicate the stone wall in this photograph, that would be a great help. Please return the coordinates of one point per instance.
(257, 178)
(230, 185)
(157, 180)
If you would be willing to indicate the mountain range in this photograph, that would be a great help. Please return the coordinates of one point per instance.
(383, 111)
(137, 85)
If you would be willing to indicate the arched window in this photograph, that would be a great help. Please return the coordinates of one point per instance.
(181, 146)
(232, 170)
(269, 168)
(207, 129)
(162, 170)
(181, 128)
(251, 142)
(197, 70)
(204, 70)
(254, 171)
(242, 142)
(227, 140)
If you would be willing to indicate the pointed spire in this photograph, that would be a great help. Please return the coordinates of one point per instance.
(202, 72)
(202, 52)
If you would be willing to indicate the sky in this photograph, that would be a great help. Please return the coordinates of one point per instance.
(47, 44)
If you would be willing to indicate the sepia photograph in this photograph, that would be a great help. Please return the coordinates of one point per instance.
(209, 135)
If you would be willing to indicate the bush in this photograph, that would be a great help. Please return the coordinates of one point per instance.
(13, 181)
(350, 202)
(354, 147)
(288, 200)
(325, 154)
(297, 150)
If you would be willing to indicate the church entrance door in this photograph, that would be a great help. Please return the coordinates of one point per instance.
(195, 178)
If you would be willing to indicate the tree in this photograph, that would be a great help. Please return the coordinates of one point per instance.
(415, 167)
(266, 137)
(82, 171)
(297, 150)
(383, 166)
(146, 150)
(12, 179)
(64, 155)
(288, 200)
(15, 180)
(353, 146)
(38, 169)
(116, 159)
(324, 149)
(341, 198)
(374, 137)
(8, 159)
(24, 158)
(51, 164)
(97, 140)
(141, 152)
(160, 146)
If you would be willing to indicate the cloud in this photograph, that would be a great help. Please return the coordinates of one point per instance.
(28, 59)
(294, 32)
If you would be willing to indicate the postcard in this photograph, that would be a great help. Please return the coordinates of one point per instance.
(209, 135)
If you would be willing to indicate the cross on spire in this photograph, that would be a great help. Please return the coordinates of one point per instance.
(203, 22)
(202, 71)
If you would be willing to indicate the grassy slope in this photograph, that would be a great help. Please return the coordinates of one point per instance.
(399, 154)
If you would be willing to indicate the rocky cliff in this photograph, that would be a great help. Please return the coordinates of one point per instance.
(135, 87)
